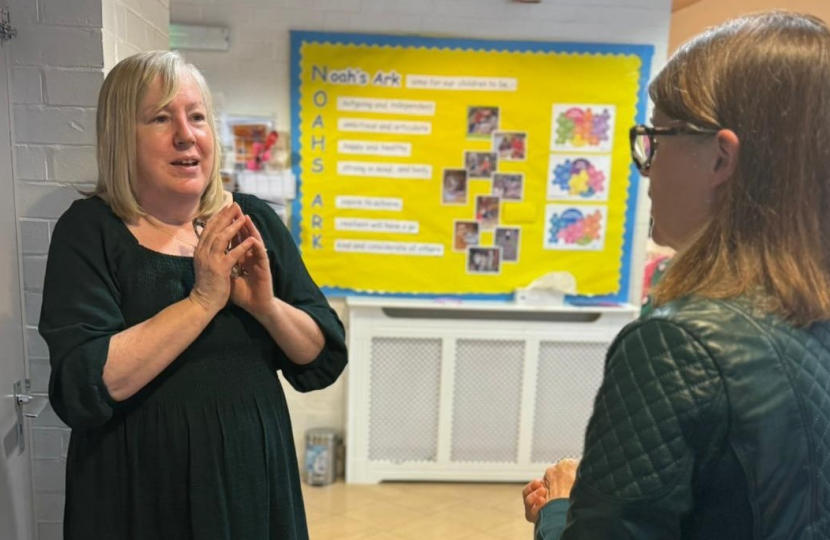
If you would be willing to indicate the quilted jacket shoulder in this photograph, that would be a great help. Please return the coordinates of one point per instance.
(777, 380)
(700, 389)
(658, 396)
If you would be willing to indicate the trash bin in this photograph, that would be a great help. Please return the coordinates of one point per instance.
(320, 456)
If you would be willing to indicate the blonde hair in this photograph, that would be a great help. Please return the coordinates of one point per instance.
(767, 78)
(121, 97)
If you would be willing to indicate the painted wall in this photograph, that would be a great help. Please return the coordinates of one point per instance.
(692, 20)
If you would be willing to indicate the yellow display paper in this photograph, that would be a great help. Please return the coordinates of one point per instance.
(431, 168)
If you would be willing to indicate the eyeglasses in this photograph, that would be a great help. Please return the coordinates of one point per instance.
(644, 143)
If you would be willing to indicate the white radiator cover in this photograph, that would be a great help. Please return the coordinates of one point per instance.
(472, 391)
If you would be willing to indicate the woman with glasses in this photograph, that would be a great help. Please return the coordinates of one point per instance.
(713, 418)
(168, 308)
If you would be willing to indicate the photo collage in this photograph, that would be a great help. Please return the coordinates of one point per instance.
(579, 172)
(483, 124)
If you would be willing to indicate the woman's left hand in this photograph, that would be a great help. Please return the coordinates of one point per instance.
(559, 479)
(253, 289)
(556, 484)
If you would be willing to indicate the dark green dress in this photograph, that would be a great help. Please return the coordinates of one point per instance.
(205, 451)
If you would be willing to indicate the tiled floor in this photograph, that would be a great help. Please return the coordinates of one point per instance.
(409, 511)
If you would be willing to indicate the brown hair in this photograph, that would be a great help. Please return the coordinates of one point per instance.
(767, 78)
(118, 104)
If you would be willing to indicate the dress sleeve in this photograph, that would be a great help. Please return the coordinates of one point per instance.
(80, 314)
(293, 285)
(659, 416)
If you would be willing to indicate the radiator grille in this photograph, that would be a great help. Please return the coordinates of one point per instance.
(405, 390)
(487, 403)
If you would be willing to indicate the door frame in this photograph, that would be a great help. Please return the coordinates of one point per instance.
(17, 505)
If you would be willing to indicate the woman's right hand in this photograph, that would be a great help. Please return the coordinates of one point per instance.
(213, 261)
(534, 497)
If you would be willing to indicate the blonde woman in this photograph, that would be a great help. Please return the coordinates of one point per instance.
(168, 309)
(713, 418)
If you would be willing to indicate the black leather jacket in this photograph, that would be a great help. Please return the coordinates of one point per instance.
(712, 421)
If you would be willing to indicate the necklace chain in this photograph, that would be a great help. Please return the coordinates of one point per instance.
(171, 235)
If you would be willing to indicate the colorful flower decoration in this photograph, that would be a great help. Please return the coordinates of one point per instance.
(579, 178)
(582, 127)
(572, 227)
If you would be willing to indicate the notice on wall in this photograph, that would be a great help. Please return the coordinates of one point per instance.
(441, 167)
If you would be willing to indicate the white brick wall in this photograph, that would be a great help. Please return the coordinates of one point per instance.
(75, 13)
(63, 46)
(34, 234)
(78, 87)
(47, 124)
(131, 26)
(57, 67)
(27, 85)
(253, 77)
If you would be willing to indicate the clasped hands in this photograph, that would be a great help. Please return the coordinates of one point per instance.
(231, 264)
(556, 484)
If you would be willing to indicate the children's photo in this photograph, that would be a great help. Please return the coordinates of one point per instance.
(487, 212)
(454, 186)
(482, 122)
(510, 145)
(508, 186)
(484, 260)
(466, 235)
(480, 164)
(508, 238)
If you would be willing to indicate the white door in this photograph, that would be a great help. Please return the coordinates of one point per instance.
(16, 514)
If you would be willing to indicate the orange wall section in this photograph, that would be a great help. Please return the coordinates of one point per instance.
(691, 20)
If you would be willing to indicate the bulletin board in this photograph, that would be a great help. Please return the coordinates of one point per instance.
(450, 167)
